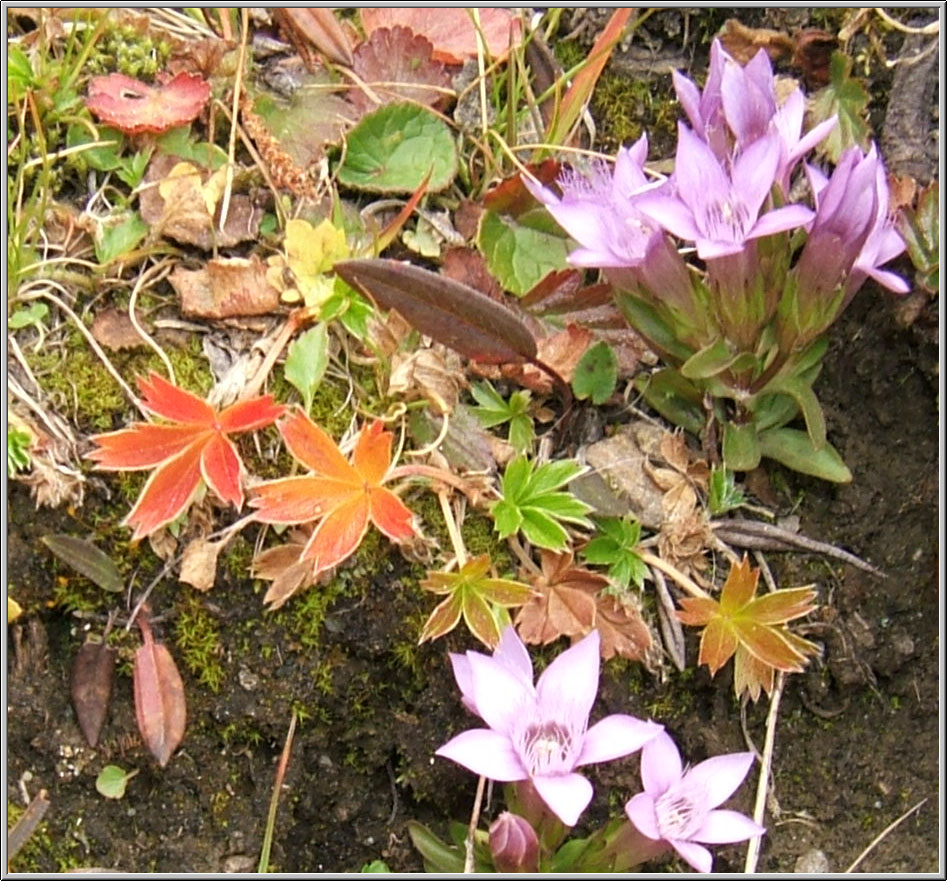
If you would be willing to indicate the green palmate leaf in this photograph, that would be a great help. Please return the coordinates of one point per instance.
(533, 503)
(794, 450)
(521, 252)
(31, 316)
(722, 492)
(104, 158)
(615, 547)
(179, 142)
(741, 446)
(596, 374)
(87, 560)
(493, 411)
(847, 98)
(394, 148)
(445, 310)
(306, 362)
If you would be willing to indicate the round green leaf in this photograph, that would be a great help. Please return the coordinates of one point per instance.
(392, 150)
(112, 780)
(596, 374)
(520, 256)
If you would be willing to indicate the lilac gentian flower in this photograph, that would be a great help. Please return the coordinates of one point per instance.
(597, 209)
(704, 108)
(678, 806)
(720, 211)
(540, 733)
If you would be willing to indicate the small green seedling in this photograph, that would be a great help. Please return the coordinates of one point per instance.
(112, 781)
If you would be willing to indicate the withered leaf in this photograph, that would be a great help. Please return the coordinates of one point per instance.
(447, 311)
(226, 287)
(160, 705)
(199, 563)
(565, 603)
(114, 330)
(561, 351)
(744, 42)
(87, 560)
(397, 64)
(623, 630)
(92, 675)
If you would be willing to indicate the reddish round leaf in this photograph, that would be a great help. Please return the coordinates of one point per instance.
(133, 106)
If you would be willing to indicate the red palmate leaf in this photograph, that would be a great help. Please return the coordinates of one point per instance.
(193, 449)
(344, 496)
(160, 705)
(133, 106)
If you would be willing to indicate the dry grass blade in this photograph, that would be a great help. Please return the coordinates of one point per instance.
(274, 799)
(26, 825)
(884, 832)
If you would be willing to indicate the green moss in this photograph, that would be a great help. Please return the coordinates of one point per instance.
(197, 637)
(625, 107)
(46, 850)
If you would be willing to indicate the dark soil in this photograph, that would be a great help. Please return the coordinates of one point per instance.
(856, 739)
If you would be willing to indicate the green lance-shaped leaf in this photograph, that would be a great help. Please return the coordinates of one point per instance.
(794, 450)
(87, 560)
(306, 362)
(445, 310)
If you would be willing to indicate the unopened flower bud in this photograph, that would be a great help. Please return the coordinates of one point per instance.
(514, 844)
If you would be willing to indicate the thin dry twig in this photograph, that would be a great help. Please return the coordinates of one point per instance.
(679, 577)
(237, 90)
(472, 828)
(883, 833)
(24, 828)
(153, 275)
(274, 798)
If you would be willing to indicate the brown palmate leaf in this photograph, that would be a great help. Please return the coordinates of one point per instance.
(92, 675)
(159, 696)
(565, 603)
(623, 630)
(398, 64)
(114, 330)
(450, 29)
(199, 563)
(284, 566)
(447, 311)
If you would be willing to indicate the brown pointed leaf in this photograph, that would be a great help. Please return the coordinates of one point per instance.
(479, 619)
(717, 644)
(443, 619)
(159, 697)
(751, 674)
(92, 675)
(319, 27)
(447, 311)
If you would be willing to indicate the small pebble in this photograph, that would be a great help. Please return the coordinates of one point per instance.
(812, 862)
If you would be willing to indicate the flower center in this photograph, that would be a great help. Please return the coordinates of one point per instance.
(726, 221)
(678, 813)
(548, 748)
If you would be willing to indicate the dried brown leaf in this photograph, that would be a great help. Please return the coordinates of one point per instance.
(225, 288)
(160, 704)
(113, 329)
(743, 42)
(561, 351)
(92, 674)
(199, 563)
(623, 630)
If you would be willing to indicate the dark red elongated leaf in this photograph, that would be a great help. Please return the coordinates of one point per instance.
(159, 696)
(92, 675)
(87, 560)
(447, 311)
(511, 196)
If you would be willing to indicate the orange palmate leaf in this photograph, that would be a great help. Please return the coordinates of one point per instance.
(194, 448)
(471, 594)
(751, 629)
(345, 497)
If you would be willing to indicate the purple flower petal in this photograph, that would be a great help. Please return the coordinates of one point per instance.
(616, 736)
(699, 857)
(660, 764)
(689, 96)
(640, 811)
(569, 684)
(719, 777)
(567, 795)
(484, 752)
(499, 694)
(754, 172)
(890, 280)
(513, 654)
(463, 676)
(676, 217)
(725, 827)
(699, 175)
(781, 219)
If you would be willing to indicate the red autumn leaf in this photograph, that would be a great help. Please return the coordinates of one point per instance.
(194, 448)
(92, 675)
(511, 196)
(160, 705)
(395, 63)
(450, 29)
(133, 106)
(751, 628)
(344, 496)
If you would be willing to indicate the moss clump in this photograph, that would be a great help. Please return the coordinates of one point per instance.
(44, 851)
(197, 637)
(624, 107)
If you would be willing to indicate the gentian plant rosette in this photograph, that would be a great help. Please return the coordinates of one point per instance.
(539, 735)
(739, 313)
